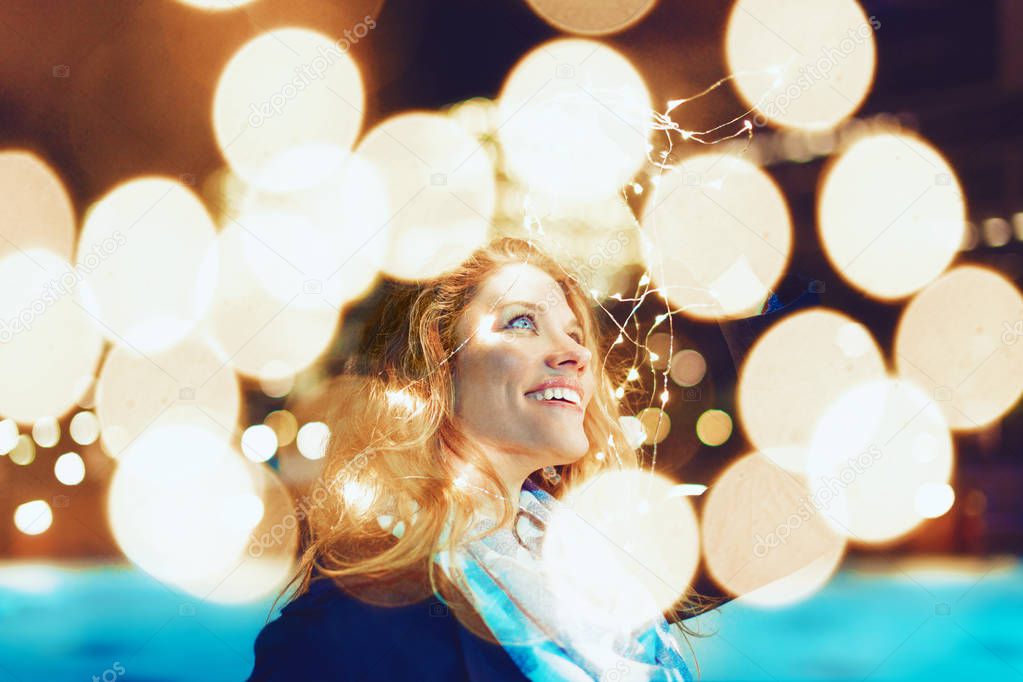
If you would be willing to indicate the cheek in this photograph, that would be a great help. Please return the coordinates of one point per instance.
(489, 376)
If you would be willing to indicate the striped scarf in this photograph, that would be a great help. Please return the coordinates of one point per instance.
(556, 634)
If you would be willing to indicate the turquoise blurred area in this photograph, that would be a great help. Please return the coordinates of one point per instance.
(921, 619)
(75, 621)
(884, 620)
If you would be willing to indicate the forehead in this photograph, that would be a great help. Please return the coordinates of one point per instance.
(520, 282)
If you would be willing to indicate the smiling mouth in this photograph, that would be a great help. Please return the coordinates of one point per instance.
(569, 400)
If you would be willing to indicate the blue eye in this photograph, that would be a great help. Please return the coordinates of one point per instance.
(532, 320)
(523, 316)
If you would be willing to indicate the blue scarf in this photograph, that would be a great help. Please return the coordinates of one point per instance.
(546, 642)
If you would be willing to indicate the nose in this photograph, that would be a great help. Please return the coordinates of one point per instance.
(570, 353)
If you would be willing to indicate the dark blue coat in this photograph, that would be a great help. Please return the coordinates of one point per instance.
(328, 635)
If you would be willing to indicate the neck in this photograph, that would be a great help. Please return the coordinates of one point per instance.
(512, 468)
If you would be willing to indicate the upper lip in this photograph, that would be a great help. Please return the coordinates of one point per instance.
(561, 382)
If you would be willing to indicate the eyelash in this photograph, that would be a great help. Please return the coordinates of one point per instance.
(532, 318)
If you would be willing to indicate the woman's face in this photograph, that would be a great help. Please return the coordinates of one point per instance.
(527, 340)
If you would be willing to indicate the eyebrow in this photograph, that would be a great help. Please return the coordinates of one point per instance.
(533, 306)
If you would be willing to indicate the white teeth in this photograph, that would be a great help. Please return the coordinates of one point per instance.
(556, 393)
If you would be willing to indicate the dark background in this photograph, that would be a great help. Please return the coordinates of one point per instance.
(113, 89)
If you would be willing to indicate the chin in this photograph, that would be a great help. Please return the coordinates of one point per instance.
(573, 452)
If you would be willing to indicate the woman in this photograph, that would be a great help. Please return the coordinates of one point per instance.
(484, 402)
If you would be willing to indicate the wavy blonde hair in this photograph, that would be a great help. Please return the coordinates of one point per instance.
(391, 457)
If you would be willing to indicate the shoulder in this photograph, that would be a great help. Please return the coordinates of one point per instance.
(292, 645)
(326, 634)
